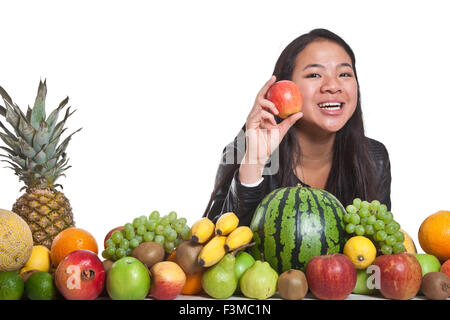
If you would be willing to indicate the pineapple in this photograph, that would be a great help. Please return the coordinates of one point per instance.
(34, 153)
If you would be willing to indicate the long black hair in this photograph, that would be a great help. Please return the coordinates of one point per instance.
(353, 171)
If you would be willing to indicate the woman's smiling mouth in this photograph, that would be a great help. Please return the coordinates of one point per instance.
(331, 108)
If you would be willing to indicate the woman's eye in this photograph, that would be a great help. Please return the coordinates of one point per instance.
(313, 75)
(346, 74)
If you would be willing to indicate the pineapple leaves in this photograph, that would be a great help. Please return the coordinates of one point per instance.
(41, 136)
(33, 149)
(62, 147)
(5, 95)
(26, 149)
(14, 144)
(38, 112)
(53, 117)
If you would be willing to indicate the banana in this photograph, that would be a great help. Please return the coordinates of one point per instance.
(226, 223)
(239, 237)
(212, 252)
(202, 230)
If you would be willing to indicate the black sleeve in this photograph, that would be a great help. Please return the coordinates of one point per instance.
(229, 194)
(383, 167)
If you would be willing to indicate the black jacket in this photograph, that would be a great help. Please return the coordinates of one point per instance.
(243, 200)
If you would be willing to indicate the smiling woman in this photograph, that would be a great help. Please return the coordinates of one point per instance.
(324, 146)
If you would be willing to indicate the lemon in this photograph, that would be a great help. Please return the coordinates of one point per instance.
(361, 251)
(39, 260)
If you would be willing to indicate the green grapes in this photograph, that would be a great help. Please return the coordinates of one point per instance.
(169, 231)
(374, 221)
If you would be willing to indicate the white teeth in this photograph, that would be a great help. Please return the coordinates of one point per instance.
(330, 105)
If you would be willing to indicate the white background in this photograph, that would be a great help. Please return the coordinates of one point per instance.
(160, 88)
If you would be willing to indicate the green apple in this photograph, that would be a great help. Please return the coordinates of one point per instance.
(128, 279)
(428, 262)
(243, 261)
(361, 283)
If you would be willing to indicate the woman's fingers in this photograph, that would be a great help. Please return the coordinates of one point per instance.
(265, 115)
(289, 122)
(265, 88)
(268, 105)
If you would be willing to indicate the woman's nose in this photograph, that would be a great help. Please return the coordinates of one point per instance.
(331, 85)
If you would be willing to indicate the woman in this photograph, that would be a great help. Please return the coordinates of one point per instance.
(323, 146)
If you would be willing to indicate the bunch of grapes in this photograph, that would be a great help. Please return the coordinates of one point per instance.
(168, 230)
(374, 221)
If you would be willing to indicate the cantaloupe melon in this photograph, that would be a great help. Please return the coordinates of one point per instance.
(16, 241)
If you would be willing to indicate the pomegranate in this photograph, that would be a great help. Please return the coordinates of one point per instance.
(80, 276)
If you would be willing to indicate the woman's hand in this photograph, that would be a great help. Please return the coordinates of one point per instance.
(263, 135)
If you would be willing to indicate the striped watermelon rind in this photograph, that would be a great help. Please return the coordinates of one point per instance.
(293, 224)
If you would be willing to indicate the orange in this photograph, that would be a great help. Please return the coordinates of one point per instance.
(69, 240)
(193, 283)
(434, 235)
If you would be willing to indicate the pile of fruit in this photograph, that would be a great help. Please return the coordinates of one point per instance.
(304, 240)
(213, 261)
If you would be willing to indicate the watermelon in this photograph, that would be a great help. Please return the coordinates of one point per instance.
(293, 224)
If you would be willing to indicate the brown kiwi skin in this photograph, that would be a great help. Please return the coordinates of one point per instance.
(149, 253)
(107, 264)
(436, 286)
(187, 257)
(292, 285)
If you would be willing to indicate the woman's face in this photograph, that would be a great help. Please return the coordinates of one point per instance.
(324, 73)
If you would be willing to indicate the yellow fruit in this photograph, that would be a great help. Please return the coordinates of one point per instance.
(408, 243)
(39, 260)
(202, 230)
(226, 223)
(212, 252)
(361, 251)
(16, 241)
(239, 237)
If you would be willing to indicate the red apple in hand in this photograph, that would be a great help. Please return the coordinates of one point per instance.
(80, 276)
(400, 275)
(331, 276)
(168, 280)
(286, 96)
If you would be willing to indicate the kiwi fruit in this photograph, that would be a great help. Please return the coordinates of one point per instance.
(107, 265)
(187, 256)
(292, 285)
(436, 286)
(149, 253)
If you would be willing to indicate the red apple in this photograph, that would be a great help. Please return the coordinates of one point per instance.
(80, 276)
(286, 96)
(108, 235)
(445, 268)
(168, 280)
(400, 275)
(331, 276)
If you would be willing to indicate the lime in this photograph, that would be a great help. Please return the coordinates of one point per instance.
(11, 286)
(40, 286)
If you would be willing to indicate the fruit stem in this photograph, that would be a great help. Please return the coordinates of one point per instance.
(235, 251)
